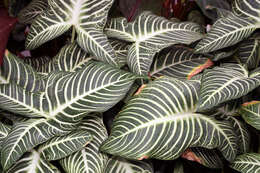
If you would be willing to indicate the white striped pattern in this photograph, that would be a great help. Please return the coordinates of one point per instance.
(160, 123)
(247, 163)
(149, 34)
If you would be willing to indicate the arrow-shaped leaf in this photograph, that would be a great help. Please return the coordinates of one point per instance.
(149, 34)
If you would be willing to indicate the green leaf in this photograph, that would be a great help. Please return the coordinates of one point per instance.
(39, 64)
(95, 88)
(60, 147)
(4, 130)
(247, 8)
(13, 68)
(247, 163)
(89, 159)
(33, 162)
(32, 10)
(149, 34)
(160, 122)
(206, 157)
(70, 58)
(88, 17)
(226, 32)
(23, 137)
(180, 63)
(242, 132)
(248, 53)
(121, 165)
(251, 114)
(17, 100)
(121, 49)
(225, 83)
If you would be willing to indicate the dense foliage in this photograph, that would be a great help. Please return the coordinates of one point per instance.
(150, 95)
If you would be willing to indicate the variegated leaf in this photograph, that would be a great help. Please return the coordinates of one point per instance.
(225, 83)
(226, 32)
(4, 130)
(95, 88)
(60, 147)
(17, 100)
(39, 64)
(23, 137)
(32, 10)
(250, 112)
(179, 62)
(121, 49)
(70, 58)
(88, 17)
(32, 162)
(247, 163)
(121, 165)
(149, 34)
(247, 8)
(160, 122)
(89, 159)
(206, 157)
(248, 53)
(14, 70)
(242, 132)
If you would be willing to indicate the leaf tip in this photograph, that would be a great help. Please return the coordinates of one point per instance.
(200, 68)
(250, 103)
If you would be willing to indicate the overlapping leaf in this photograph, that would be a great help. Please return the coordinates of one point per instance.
(88, 17)
(4, 130)
(251, 113)
(149, 34)
(206, 157)
(226, 32)
(33, 162)
(225, 83)
(249, 53)
(89, 159)
(120, 165)
(14, 70)
(32, 10)
(247, 163)
(60, 147)
(247, 8)
(121, 49)
(179, 62)
(39, 64)
(160, 123)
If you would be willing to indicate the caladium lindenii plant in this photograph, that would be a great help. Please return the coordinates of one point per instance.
(174, 90)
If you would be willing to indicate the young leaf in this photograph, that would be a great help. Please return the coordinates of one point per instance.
(226, 32)
(248, 53)
(88, 17)
(32, 10)
(121, 165)
(251, 113)
(89, 159)
(247, 163)
(149, 34)
(179, 62)
(33, 162)
(225, 83)
(160, 122)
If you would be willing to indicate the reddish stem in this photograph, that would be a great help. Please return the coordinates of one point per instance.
(133, 11)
